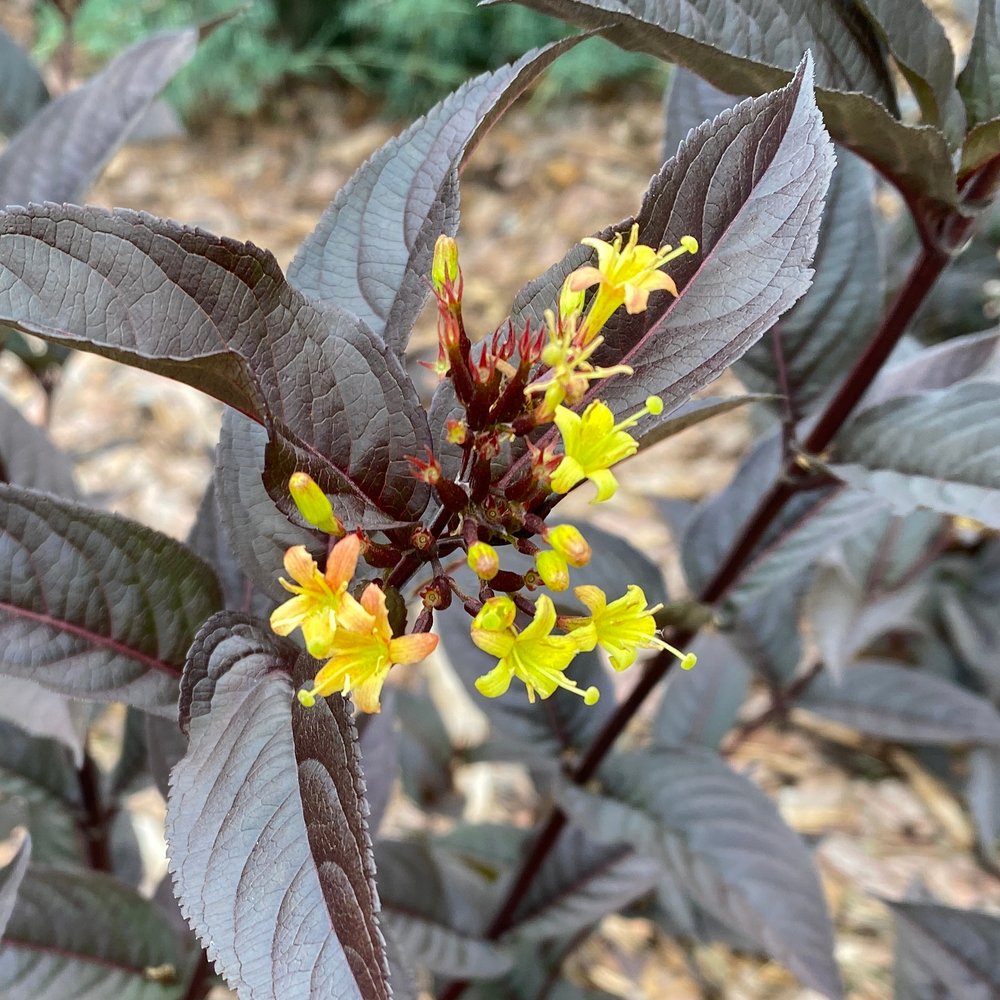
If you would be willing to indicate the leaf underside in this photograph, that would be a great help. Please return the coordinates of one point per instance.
(266, 823)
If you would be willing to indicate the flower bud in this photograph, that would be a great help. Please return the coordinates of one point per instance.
(553, 570)
(483, 560)
(570, 301)
(570, 544)
(313, 504)
(444, 269)
(496, 615)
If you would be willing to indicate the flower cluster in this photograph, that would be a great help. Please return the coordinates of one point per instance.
(525, 386)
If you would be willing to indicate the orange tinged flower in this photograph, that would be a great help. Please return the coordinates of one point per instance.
(364, 651)
(318, 595)
(625, 275)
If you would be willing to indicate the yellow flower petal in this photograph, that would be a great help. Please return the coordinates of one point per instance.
(412, 648)
(289, 616)
(342, 562)
(494, 643)
(496, 682)
(606, 484)
(301, 566)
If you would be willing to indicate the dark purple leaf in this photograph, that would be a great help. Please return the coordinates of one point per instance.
(693, 412)
(981, 144)
(371, 252)
(936, 450)
(742, 47)
(982, 793)
(823, 333)
(96, 606)
(209, 539)
(260, 533)
(39, 790)
(765, 630)
(29, 458)
(699, 705)
(809, 525)
(975, 356)
(689, 101)
(218, 315)
(890, 549)
(580, 882)
(89, 936)
(165, 746)
(44, 713)
(379, 743)
(724, 841)
(917, 41)
(745, 48)
(266, 823)
(22, 91)
(944, 952)
(425, 750)
(979, 81)
(844, 619)
(891, 702)
(10, 881)
(968, 597)
(769, 158)
(61, 152)
(427, 909)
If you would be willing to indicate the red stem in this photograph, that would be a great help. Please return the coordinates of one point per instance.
(95, 824)
(925, 271)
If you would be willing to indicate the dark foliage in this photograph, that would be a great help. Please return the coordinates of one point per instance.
(840, 521)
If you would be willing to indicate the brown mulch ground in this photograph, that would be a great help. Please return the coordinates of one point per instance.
(542, 179)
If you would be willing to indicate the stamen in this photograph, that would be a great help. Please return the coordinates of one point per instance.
(688, 660)
(306, 698)
(654, 405)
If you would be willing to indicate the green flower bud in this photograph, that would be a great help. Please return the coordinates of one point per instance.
(314, 505)
(570, 544)
(553, 570)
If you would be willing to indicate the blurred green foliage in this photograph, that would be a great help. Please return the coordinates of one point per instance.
(408, 53)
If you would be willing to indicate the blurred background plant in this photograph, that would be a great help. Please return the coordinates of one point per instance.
(406, 54)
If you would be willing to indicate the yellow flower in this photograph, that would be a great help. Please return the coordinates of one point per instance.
(625, 275)
(622, 627)
(365, 650)
(318, 595)
(534, 656)
(567, 354)
(593, 442)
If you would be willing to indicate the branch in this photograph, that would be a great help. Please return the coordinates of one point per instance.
(929, 265)
(201, 979)
(95, 822)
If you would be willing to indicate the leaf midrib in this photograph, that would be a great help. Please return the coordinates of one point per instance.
(93, 637)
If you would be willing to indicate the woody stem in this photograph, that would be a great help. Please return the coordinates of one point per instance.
(928, 266)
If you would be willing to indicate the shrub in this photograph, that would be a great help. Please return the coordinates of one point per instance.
(864, 515)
